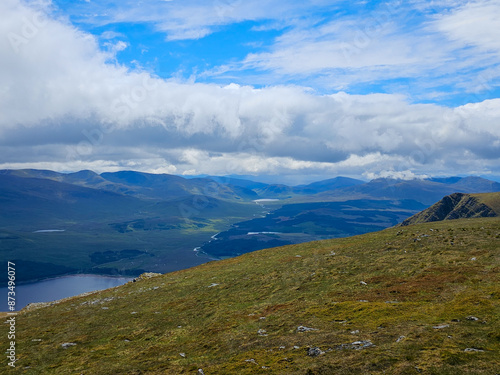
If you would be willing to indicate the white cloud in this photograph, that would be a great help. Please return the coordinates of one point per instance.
(65, 106)
(114, 48)
(403, 48)
(399, 175)
(473, 24)
(344, 43)
(111, 35)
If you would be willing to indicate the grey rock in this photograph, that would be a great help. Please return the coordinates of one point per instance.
(441, 326)
(314, 352)
(356, 345)
(67, 345)
(145, 276)
(473, 318)
(305, 329)
(473, 350)
(362, 344)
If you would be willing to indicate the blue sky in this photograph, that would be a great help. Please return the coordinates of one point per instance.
(359, 47)
(267, 87)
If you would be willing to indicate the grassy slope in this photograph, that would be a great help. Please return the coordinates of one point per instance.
(438, 273)
(490, 199)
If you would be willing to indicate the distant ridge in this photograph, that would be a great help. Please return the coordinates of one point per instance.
(426, 191)
(459, 206)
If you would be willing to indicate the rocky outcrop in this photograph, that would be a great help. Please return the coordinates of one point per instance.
(454, 206)
(145, 276)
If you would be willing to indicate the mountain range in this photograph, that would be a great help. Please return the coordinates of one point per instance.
(171, 187)
(56, 223)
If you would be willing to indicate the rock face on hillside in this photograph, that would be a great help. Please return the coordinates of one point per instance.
(454, 206)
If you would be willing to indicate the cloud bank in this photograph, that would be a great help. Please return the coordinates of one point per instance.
(66, 105)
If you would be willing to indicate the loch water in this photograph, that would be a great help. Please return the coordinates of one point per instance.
(58, 288)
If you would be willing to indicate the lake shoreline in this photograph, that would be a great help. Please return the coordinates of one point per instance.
(53, 277)
(81, 273)
(56, 288)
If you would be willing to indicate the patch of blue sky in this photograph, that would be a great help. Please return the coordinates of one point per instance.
(427, 93)
(228, 44)
(460, 98)
(149, 49)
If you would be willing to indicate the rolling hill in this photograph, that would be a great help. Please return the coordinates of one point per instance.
(417, 299)
(141, 185)
(459, 206)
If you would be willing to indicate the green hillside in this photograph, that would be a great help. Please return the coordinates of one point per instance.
(407, 300)
(492, 200)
